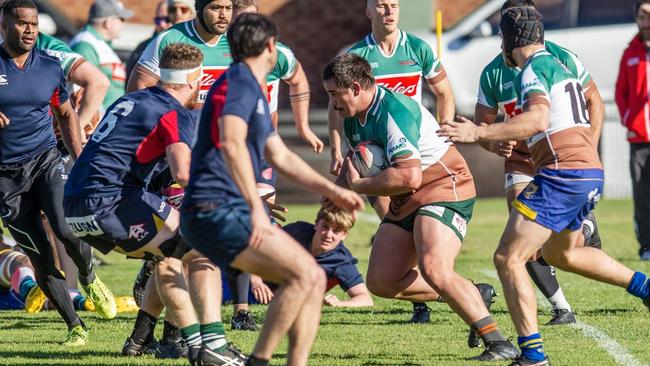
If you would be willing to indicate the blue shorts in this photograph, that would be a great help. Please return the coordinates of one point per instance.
(129, 222)
(219, 233)
(561, 199)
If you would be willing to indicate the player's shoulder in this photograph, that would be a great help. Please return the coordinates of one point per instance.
(494, 67)
(413, 41)
(361, 46)
(298, 226)
(180, 32)
(562, 53)
(45, 41)
(396, 102)
(283, 47)
(45, 59)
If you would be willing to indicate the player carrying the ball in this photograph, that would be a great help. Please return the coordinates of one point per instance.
(432, 196)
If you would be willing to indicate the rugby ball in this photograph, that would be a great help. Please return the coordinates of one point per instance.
(369, 158)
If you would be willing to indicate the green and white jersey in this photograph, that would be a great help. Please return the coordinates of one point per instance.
(567, 142)
(407, 132)
(216, 57)
(59, 49)
(284, 69)
(496, 87)
(90, 44)
(401, 71)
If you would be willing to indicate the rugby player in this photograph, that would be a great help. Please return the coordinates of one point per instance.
(400, 62)
(223, 216)
(32, 173)
(497, 94)
(106, 200)
(432, 198)
(568, 183)
(324, 240)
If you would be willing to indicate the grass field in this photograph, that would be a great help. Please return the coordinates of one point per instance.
(613, 327)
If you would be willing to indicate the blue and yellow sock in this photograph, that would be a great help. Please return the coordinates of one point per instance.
(25, 286)
(639, 286)
(532, 347)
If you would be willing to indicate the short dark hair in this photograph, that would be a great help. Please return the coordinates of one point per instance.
(248, 35)
(348, 68)
(516, 3)
(11, 5)
(638, 4)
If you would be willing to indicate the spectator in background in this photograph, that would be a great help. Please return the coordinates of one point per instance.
(632, 100)
(168, 13)
(105, 21)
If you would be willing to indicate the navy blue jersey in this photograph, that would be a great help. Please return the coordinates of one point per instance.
(339, 264)
(235, 93)
(128, 146)
(25, 97)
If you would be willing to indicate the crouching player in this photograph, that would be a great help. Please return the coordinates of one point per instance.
(549, 213)
(222, 215)
(106, 198)
(18, 288)
(324, 240)
(432, 197)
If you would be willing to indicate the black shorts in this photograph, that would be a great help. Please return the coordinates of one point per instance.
(17, 179)
(129, 221)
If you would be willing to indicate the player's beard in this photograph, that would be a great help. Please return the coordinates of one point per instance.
(194, 99)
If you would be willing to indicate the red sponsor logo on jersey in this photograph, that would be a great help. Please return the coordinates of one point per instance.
(407, 85)
(210, 76)
(269, 90)
(511, 109)
(407, 62)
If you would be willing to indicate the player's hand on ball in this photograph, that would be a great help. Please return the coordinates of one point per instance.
(331, 300)
(260, 290)
(504, 148)
(4, 121)
(352, 174)
(462, 130)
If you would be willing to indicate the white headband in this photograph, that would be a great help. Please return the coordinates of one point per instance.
(181, 76)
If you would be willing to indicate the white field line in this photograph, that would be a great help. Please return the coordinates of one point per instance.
(607, 343)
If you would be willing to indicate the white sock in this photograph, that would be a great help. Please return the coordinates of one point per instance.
(558, 301)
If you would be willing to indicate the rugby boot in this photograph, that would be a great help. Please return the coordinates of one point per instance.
(421, 314)
(172, 347)
(562, 316)
(487, 294)
(231, 356)
(76, 337)
(35, 300)
(243, 320)
(590, 232)
(497, 351)
(141, 281)
(133, 349)
(522, 361)
(102, 297)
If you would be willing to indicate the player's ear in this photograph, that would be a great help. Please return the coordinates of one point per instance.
(356, 88)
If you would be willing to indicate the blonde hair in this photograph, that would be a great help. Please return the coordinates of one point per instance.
(341, 219)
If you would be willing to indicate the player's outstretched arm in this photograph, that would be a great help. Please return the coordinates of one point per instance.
(95, 85)
(445, 102)
(520, 127)
(334, 126)
(596, 109)
(299, 97)
(488, 115)
(359, 297)
(70, 128)
(292, 166)
(141, 78)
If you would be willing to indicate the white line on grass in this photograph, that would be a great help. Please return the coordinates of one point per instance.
(607, 343)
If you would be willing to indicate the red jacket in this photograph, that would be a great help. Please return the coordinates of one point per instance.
(632, 87)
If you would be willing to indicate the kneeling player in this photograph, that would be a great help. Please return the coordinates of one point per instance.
(106, 201)
(432, 196)
(324, 240)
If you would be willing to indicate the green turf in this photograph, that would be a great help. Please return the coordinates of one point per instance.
(380, 335)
